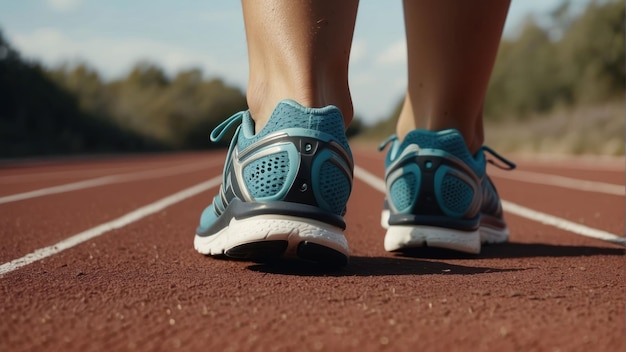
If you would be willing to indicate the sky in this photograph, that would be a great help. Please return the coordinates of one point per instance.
(113, 35)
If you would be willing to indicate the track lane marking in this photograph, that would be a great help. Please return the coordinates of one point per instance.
(107, 180)
(359, 173)
(515, 209)
(563, 182)
(79, 172)
(103, 228)
(560, 223)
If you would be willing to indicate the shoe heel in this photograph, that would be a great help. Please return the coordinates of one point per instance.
(405, 237)
(270, 237)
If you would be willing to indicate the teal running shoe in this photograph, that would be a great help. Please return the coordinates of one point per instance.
(439, 195)
(284, 190)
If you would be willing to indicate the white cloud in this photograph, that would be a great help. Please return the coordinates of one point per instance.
(113, 57)
(394, 54)
(63, 5)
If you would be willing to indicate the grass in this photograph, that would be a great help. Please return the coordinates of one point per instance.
(593, 130)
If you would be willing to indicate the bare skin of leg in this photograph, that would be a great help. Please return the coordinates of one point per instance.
(298, 49)
(451, 47)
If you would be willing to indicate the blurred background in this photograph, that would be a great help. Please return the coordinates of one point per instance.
(87, 76)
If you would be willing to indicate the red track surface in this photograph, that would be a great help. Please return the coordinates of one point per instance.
(143, 287)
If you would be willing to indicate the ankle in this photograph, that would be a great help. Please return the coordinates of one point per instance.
(263, 97)
(406, 120)
(470, 128)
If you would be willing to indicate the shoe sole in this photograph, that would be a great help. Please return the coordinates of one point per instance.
(399, 238)
(268, 238)
(493, 230)
(490, 235)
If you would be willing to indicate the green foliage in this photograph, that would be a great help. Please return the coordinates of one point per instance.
(38, 117)
(521, 81)
(580, 61)
(179, 112)
(70, 109)
(591, 54)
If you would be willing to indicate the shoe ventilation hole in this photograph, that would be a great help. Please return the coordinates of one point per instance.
(403, 191)
(334, 187)
(265, 177)
(456, 194)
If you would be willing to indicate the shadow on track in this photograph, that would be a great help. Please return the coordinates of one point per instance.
(409, 263)
(514, 250)
(374, 266)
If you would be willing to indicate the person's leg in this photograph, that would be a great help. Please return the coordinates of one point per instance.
(438, 193)
(299, 49)
(452, 46)
(289, 171)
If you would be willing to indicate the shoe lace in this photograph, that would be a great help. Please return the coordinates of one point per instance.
(387, 140)
(220, 130)
(509, 164)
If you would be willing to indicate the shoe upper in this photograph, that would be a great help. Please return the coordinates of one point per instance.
(299, 164)
(491, 209)
(432, 179)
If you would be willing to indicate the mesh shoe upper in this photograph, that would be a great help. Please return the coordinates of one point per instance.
(432, 179)
(299, 164)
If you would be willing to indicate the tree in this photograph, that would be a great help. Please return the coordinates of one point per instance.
(38, 116)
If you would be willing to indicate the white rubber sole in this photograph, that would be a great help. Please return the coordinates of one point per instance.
(492, 235)
(273, 228)
(403, 237)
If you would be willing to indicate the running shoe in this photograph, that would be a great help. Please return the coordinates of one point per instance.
(439, 195)
(284, 190)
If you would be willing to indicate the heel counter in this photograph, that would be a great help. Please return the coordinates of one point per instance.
(331, 174)
(458, 195)
(432, 185)
(304, 170)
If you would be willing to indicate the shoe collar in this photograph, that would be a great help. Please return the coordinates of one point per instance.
(478, 162)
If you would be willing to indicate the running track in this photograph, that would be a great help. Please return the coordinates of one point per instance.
(97, 255)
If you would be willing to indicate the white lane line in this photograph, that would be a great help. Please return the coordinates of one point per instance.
(518, 210)
(106, 180)
(51, 175)
(562, 181)
(108, 226)
(561, 223)
(371, 179)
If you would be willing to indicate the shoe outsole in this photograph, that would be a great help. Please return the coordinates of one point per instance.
(399, 238)
(407, 237)
(273, 251)
(260, 252)
(269, 238)
(493, 236)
